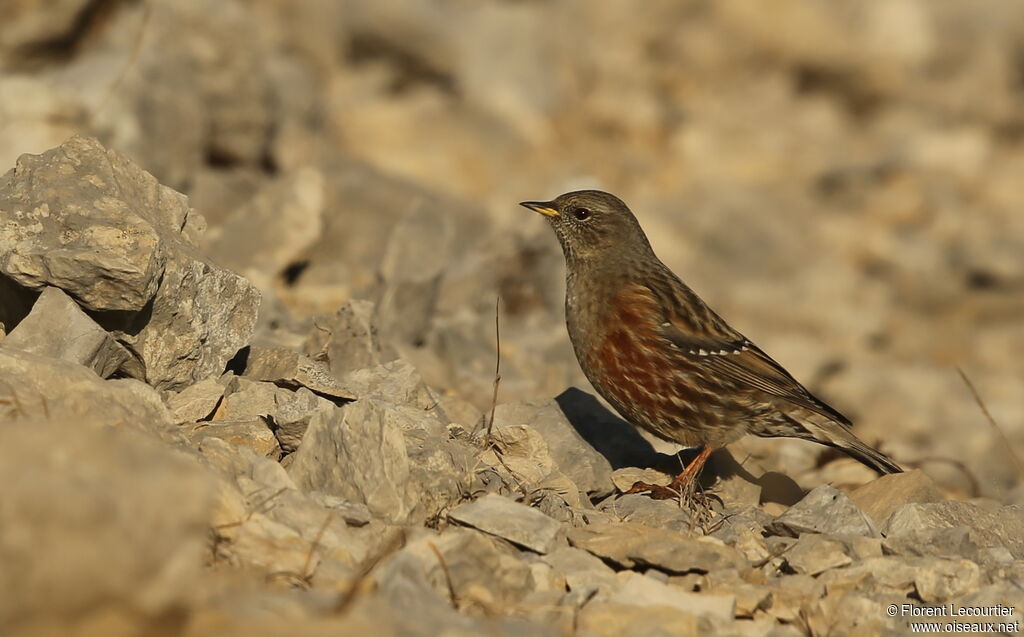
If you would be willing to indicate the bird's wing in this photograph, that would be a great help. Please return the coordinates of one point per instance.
(705, 339)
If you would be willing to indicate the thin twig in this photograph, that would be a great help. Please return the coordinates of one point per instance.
(992, 421)
(497, 367)
(447, 573)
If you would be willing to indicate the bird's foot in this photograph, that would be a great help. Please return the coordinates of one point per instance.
(656, 491)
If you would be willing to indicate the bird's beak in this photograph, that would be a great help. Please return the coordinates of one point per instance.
(546, 208)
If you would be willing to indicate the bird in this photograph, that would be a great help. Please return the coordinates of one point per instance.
(663, 358)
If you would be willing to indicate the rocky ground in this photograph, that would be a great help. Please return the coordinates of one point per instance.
(248, 283)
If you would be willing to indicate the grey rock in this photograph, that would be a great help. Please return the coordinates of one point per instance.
(76, 494)
(610, 435)
(793, 593)
(68, 223)
(812, 554)
(631, 545)
(90, 222)
(410, 273)
(573, 455)
(877, 575)
(517, 523)
(293, 412)
(349, 339)
(196, 402)
(379, 454)
(477, 567)
(358, 453)
(583, 571)
(396, 382)
(640, 590)
(641, 509)
(354, 513)
(40, 388)
(268, 233)
(933, 542)
(616, 619)
(58, 328)
(253, 433)
(288, 368)
(824, 510)
(993, 526)
(326, 526)
(882, 496)
(938, 580)
(245, 398)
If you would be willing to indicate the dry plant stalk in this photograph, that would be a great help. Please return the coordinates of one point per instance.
(992, 421)
(497, 367)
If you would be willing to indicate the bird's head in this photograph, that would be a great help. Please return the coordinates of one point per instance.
(591, 224)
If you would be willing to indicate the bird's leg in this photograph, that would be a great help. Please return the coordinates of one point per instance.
(688, 476)
(685, 480)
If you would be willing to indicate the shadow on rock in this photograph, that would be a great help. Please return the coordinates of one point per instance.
(611, 436)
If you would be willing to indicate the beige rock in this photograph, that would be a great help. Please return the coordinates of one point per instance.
(811, 554)
(291, 369)
(881, 497)
(940, 581)
(97, 517)
(612, 619)
(641, 590)
(517, 523)
(632, 545)
(92, 223)
(36, 388)
(253, 433)
(58, 328)
(196, 402)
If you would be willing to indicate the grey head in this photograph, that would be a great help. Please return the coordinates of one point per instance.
(593, 225)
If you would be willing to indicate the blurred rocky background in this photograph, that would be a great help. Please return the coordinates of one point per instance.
(250, 253)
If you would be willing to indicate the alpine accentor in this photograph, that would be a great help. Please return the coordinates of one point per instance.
(662, 357)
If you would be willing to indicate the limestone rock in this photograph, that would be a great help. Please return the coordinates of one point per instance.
(92, 223)
(37, 388)
(196, 402)
(939, 581)
(95, 517)
(349, 339)
(56, 327)
(253, 433)
(641, 590)
(824, 510)
(812, 554)
(291, 369)
(573, 455)
(269, 232)
(517, 523)
(615, 619)
(993, 526)
(880, 497)
(378, 454)
(631, 545)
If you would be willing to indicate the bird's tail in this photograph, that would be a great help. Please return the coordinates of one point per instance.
(833, 434)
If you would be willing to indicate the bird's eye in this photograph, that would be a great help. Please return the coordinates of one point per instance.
(581, 213)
